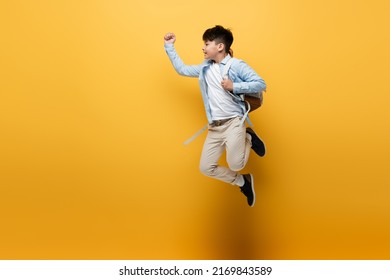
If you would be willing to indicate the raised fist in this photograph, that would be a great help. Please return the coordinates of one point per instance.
(169, 38)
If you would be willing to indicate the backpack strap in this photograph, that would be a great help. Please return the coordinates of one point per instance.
(226, 68)
(193, 137)
(241, 97)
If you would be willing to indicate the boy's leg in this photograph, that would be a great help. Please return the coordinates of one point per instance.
(213, 149)
(238, 145)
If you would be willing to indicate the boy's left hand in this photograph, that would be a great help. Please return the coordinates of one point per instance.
(227, 84)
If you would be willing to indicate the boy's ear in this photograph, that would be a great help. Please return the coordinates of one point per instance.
(221, 47)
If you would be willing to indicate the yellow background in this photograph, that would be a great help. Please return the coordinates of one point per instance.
(93, 117)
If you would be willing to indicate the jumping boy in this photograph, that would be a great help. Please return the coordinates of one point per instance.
(226, 129)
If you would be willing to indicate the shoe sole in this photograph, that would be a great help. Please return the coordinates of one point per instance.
(253, 190)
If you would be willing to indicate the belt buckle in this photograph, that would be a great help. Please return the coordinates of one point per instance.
(219, 122)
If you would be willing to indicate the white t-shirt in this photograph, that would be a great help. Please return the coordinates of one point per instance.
(222, 104)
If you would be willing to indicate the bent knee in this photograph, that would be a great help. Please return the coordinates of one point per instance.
(237, 166)
(207, 170)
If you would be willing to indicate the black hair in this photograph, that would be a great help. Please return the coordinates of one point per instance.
(220, 35)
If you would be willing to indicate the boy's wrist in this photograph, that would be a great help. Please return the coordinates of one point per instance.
(168, 45)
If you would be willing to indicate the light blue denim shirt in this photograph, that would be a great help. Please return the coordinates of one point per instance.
(245, 79)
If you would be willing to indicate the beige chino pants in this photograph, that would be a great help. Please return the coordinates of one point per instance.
(232, 137)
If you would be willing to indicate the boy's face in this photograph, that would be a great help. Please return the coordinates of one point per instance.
(211, 49)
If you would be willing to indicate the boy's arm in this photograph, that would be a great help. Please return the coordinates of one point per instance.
(250, 82)
(178, 64)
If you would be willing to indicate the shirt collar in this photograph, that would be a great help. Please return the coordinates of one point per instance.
(226, 59)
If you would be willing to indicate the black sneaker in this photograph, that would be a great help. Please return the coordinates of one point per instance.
(248, 189)
(257, 145)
